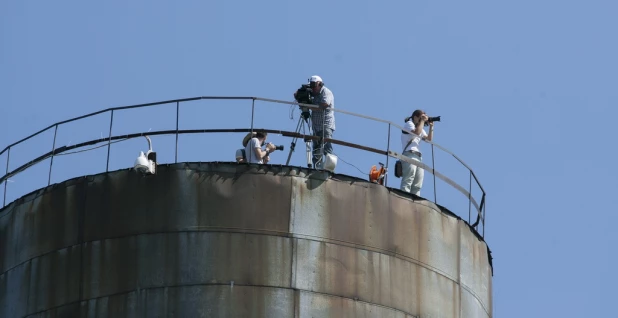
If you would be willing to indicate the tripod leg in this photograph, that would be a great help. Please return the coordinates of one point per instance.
(291, 150)
(308, 143)
(293, 145)
(309, 154)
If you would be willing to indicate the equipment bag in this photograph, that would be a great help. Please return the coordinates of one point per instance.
(398, 169)
(398, 164)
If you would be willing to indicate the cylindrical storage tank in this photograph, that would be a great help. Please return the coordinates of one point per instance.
(235, 240)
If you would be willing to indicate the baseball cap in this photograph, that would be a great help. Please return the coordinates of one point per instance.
(315, 78)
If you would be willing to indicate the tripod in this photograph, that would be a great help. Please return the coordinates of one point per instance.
(303, 116)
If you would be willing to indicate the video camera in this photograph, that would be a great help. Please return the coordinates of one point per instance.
(303, 96)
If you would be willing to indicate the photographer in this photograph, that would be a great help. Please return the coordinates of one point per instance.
(253, 148)
(323, 119)
(412, 176)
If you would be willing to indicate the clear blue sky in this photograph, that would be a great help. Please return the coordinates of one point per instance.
(526, 90)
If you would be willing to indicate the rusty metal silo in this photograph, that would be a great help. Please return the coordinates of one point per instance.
(221, 239)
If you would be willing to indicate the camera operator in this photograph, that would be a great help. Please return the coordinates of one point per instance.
(412, 176)
(323, 119)
(253, 148)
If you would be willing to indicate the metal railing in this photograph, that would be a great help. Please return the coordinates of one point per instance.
(388, 153)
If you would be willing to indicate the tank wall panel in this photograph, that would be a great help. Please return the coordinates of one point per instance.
(45, 221)
(14, 290)
(172, 259)
(471, 307)
(121, 204)
(320, 305)
(195, 301)
(475, 270)
(369, 219)
(54, 279)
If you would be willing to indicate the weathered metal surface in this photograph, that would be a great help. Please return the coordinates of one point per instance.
(186, 301)
(43, 221)
(206, 240)
(223, 301)
(475, 270)
(185, 258)
(374, 278)
(123, 204)
(320, 305)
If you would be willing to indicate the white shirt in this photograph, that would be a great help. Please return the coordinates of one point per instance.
(405, 138)
(250, 151)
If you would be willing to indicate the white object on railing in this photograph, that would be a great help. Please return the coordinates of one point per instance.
(145, 163)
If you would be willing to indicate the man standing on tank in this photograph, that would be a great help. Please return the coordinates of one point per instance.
(323, 119)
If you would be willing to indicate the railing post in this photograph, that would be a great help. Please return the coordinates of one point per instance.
(388, 149)
(322, 153)
(433, 172)
(51, 161)
(480, 214)
(252, 113)
(109, 141)
(484, 205)
(470, 198)
(250, 155)
(177, 112)
(8, 157)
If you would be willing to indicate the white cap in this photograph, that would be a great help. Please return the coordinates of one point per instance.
(315, 78)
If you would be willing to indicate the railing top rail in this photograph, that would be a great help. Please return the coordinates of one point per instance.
(225, 98)
(122, 108)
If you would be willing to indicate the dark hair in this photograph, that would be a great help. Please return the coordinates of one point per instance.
(417, 112)
(261, 134)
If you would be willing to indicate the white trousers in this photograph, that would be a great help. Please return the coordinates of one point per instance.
(412, 176)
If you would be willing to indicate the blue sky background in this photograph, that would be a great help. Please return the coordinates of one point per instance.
(526, 91)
